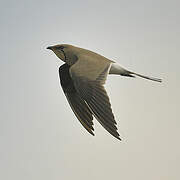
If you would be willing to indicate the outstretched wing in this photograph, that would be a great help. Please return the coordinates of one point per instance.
(78, 105)
(88, 78)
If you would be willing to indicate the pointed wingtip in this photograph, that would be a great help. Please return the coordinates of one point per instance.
(119, 138)
(91, 132)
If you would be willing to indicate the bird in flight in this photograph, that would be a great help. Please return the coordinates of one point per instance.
(82, 78)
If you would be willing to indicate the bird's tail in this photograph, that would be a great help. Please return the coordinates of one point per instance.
(117, 69)
(146, 77)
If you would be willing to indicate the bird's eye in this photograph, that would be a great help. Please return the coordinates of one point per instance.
(61, 47)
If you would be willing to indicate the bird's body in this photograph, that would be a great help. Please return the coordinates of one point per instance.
(82, 78)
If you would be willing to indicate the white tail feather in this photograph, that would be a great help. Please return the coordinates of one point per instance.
(117, 69)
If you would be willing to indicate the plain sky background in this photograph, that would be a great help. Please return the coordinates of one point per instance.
(41, 139)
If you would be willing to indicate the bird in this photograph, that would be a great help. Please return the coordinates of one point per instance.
(82, 78)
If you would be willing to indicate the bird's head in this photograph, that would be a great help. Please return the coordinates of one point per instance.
(62, 51)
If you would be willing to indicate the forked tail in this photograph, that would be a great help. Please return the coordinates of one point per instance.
(147, 77)
(117, 69)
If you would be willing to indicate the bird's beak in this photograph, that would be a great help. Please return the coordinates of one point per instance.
(49, 47)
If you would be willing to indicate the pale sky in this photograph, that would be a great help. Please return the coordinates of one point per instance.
(40, 137)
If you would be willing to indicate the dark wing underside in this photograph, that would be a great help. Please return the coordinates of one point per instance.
(88, 97)
(78, 105)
